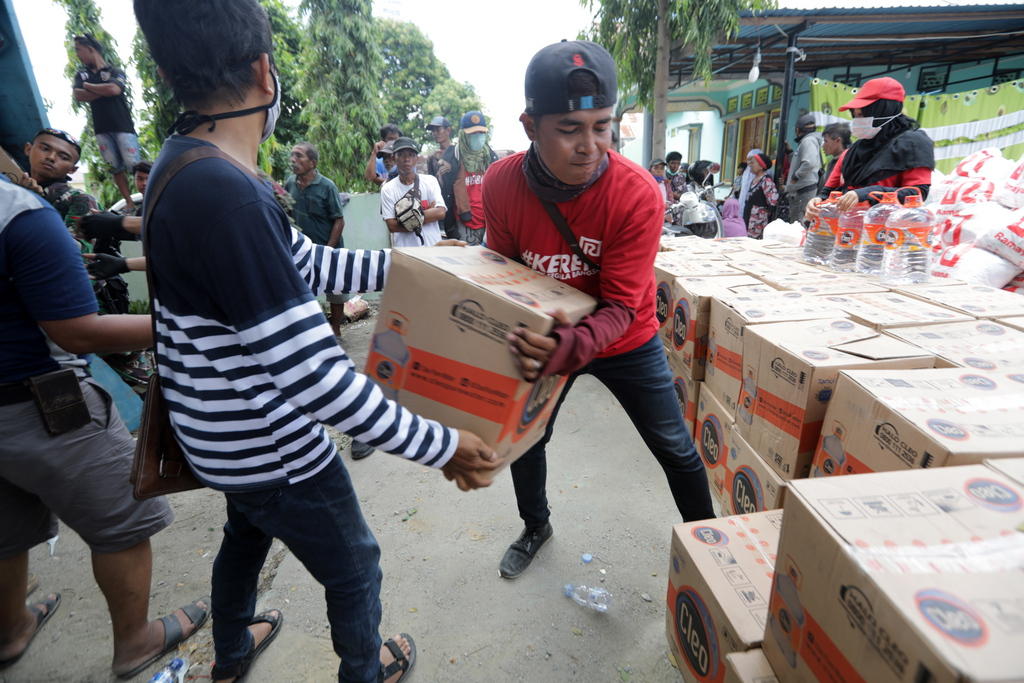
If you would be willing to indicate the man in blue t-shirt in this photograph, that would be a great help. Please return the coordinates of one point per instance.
(77, 471)
(376, 171)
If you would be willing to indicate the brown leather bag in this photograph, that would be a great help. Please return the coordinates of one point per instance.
(160, 466)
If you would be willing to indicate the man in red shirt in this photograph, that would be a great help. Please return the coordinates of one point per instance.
(611, 215)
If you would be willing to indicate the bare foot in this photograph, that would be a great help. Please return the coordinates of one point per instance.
(386, 657)
(26, 630)
(131, 655)
(259, 632)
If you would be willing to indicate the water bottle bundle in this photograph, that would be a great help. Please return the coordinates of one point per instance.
(888, 240)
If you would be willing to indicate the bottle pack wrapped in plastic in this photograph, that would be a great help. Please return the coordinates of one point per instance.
(1011, 194)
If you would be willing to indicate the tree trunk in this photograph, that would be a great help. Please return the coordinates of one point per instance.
(660, 89)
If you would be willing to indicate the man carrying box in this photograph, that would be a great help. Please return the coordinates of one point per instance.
(570, 208)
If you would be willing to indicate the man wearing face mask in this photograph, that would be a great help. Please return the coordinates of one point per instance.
(574, 210)
(461, 174)
(891, 153)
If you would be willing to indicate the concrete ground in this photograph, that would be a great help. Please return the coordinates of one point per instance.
(440, 551)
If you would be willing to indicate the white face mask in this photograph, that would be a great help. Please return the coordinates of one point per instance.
(862, 128)
(273, 111)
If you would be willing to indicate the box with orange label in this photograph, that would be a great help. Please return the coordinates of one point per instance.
(789, 374)
(749, 667)
(885, 310)
(979, 301)
(669, 268)
(686, 389)
(441, 302)
(712, 428)
(731, 314)
(884, 420)
(900, 577)
(719, 576)
(978, 344)
(751, 485)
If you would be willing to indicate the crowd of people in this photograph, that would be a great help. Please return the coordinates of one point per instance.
(251, 369)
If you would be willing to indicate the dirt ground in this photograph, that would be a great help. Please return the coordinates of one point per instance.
(440, 551)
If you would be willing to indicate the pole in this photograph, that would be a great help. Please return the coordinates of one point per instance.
(648, 136)
(788, 83)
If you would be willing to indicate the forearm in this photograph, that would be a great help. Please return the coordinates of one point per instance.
(136, 263)
(336, 230)
(339, 271)
(101, 334)
(578, 345)
(394, 225)
(82, 95)
(370, 172)
(132, 224)
(864, 193)
(434, 213)
(102, 89)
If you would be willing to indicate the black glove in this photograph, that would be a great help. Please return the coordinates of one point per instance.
(99, 225)
(104, 266)
(466, 217)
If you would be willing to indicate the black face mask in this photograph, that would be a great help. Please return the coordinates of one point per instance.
(190, 120)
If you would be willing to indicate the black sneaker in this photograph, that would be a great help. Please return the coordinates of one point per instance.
(360, 450)
(520, 554)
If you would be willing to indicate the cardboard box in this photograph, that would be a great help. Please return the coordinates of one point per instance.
(883, 420)
(789, 373)
(751, 485)
(713, 425)
(1009, 467)
(979, 301)
(979, 344)
(824, 283)
(475, 297)
(884, 310)
(762, 265)
(725, 332)
(749, 667)
(687, 310)
(685, 264)
(900, 577)
(686, 391)
(1016, 322)
(719, 577)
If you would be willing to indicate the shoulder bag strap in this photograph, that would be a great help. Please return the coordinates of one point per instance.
(563, 228)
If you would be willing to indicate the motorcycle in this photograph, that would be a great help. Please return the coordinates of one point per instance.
(696, 212)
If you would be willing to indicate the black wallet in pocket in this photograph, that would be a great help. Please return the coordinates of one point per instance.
(58, 395)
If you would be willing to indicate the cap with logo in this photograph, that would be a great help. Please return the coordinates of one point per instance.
(884, 88)
(404, 143)
(473, 122)
(547, 78)
(438, 122)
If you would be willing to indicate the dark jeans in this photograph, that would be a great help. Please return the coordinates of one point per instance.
(642, 383)
(320, 521)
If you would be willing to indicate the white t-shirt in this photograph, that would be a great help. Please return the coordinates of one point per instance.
(430, 190)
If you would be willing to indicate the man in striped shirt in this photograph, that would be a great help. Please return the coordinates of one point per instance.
(249, 366)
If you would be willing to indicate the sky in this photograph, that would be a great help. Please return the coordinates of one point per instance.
(489, 50)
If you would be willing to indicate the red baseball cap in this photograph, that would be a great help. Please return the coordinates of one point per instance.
(876, 89)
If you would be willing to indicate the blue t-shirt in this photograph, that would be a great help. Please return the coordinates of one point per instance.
(42, 277)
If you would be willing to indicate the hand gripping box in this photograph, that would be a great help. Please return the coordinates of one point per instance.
(900, 577)
(713, 426)
(439, 347)
(789, 373)
(686, 389)
(980, 301)
(978, 344)
(749, 667)
(884, 420)
(751, 485)
(731, 314)
(719, 576)
(884, 310)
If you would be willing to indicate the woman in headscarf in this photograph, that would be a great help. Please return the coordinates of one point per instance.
(732, 218)
(891, 151)
(762, 198)
(745, 180)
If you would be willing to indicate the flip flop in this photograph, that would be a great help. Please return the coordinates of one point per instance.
(51, 605)
(173, 635)
(401, 663)
(241, 669)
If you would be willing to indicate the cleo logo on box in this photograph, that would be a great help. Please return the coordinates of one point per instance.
(542, 391)
(709, 535)
(952, 617)
(980, 363)
(978, 382)
(493, 257)
(696, 634)
(993, 494)
(746, 492)
(680, 323)
(948, 429)
(662, 301)
(711, 439)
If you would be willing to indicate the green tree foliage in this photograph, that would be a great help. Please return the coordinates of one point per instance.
(628, 29)
(411, 72)
(161, 108)
(289, 45)
(340, 86)
(452, 99)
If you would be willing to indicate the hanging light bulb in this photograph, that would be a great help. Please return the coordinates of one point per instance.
(755, 71)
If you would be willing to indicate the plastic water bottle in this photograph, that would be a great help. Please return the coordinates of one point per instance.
(174, 672)
(597, 599)
(847, 242)
(821, 234)
(873, 236)
(908, 254)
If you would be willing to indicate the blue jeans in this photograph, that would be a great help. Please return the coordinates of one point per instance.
(642, 382)
(320, 521)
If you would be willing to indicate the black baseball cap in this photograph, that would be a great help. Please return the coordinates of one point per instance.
(404, 143)
(547, 78)
(62, 134)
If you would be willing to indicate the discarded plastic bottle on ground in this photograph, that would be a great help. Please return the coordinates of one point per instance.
(174, 672)
(847, 242)
(822, 233)
(872, 240)
(597, 599)
(908, 254)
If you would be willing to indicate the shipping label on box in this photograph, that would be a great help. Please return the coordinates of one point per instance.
(686, 389)
(824, 283)
(884, 310)
(980, 344)
(712, 427)
(879, 421)
(719, 576)
(789, 374)
(749, 667)
(979, 301)
(445, 301)
(751, 485)
(900, 577)
(729, 315)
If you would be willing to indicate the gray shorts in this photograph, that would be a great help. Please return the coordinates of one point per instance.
(80, 477)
